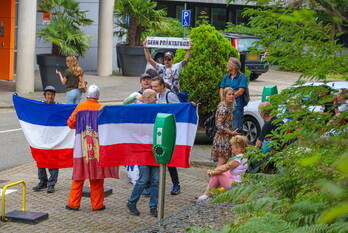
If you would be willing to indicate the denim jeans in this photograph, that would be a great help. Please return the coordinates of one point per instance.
(238, 118)
(147, 174)
(73, 96)
(53, 176)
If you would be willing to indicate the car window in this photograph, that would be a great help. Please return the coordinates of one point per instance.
(247, 43)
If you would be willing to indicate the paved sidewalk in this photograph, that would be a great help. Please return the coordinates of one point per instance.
(114, 219)
(113, 89)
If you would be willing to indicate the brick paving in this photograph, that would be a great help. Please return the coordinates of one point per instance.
(114, 218)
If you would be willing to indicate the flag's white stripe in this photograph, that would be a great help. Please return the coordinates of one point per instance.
(48, 137)
(110, 134)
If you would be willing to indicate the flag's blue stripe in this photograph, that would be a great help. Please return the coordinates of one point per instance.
(37, 112)
(146, 113)
(40, 113)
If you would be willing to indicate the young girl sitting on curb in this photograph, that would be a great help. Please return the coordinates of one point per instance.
(230, 172)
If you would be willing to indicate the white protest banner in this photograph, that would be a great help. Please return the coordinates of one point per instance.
(168, 42)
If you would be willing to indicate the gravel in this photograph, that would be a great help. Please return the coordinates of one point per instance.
(201, 214)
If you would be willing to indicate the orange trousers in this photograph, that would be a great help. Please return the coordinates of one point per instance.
(97, 193)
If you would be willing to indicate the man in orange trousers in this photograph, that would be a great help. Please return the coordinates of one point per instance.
(86, 153)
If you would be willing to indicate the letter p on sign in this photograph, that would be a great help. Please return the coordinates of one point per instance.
(185, 18)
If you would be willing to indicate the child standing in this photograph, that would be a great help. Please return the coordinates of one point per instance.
(229, 173)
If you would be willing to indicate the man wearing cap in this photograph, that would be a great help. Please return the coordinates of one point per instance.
(86, 153)
(49, 94)
(239, 83)
(169, 71)
(145, 83)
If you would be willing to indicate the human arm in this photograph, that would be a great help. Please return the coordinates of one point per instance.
(221, 92)
(220, 121)
(223, 168)
(188, 53)
(243, 84)
(61, 78)
(148, 56)
(72, 119)
(131, 98)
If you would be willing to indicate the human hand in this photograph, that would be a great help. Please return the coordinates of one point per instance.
(235, 132)
(190, 45)
(209, 173)
(58, 72)
(145, 43)
(193, 104)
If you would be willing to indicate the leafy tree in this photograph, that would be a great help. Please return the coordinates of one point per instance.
(202, 75)
(142, 15)
(297, 41)
(63, 30)
(168, 27)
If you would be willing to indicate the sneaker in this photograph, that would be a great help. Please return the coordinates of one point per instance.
(203, 197)
(175, 189)
(133, 209)
(71, 208)
(50, 189)
(39, 187)
(146, 192)
(153, 212)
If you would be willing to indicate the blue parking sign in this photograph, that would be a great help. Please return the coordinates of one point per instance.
(185, 18)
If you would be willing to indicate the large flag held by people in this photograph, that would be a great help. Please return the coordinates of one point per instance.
(125, 132)
(44, 126)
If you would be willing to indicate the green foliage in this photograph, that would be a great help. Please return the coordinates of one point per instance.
(168, 27)
(143, 16)
(202, 75)
(63, 30)
(308, 192)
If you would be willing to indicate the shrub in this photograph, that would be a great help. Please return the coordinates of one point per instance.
(202, 75)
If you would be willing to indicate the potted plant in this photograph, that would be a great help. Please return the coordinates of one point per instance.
(134, 17)
(63, 31)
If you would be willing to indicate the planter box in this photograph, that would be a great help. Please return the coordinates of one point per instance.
(131, 59)
(48, 65)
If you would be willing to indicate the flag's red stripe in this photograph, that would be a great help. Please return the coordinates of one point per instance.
(140, 154)
(61, 158)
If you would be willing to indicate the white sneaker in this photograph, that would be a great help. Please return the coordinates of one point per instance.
(203, 197)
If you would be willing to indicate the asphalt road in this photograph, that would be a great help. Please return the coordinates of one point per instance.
(14, 149)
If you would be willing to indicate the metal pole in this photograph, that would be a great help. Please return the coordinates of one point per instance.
(185, 8)
(162, 191)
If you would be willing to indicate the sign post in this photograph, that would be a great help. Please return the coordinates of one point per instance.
(164, 137)
(185, 19)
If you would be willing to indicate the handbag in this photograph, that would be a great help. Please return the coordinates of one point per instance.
(82, 86)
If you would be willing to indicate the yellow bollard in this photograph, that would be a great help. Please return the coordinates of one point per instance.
(3, 218)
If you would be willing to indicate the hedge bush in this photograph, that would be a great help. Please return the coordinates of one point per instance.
(203, 73)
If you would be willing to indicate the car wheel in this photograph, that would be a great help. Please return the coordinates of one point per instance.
(252, 127)
(254, 76)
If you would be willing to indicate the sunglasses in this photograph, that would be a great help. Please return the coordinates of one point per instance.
(167, 59)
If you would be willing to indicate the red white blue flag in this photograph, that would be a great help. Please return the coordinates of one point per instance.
(124, 131)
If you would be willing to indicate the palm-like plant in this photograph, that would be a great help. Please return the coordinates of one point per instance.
(63, 30)
(142, 15)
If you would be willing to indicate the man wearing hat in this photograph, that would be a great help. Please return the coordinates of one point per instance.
(49, 94)
(145, 83)
(169, 71)
(239, 83)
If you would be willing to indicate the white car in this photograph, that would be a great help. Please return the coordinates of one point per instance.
(253, 122)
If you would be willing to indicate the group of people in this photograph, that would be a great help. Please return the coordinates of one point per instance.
(161, 84)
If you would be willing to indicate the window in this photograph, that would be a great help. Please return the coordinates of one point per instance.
(218, 17)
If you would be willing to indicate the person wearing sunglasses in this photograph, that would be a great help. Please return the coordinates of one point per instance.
(169, 72)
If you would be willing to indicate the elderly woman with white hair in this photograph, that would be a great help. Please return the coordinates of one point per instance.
(239, 83)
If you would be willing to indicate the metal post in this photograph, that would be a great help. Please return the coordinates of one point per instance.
(185, 8)
(162, 191)
(24, 191)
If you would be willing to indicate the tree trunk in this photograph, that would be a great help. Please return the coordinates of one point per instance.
(132, 31)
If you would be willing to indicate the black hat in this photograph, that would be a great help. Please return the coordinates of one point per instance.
(169, 55)
(144, 76)
(50, 88)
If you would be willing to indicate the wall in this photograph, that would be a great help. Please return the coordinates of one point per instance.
(89, 61)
